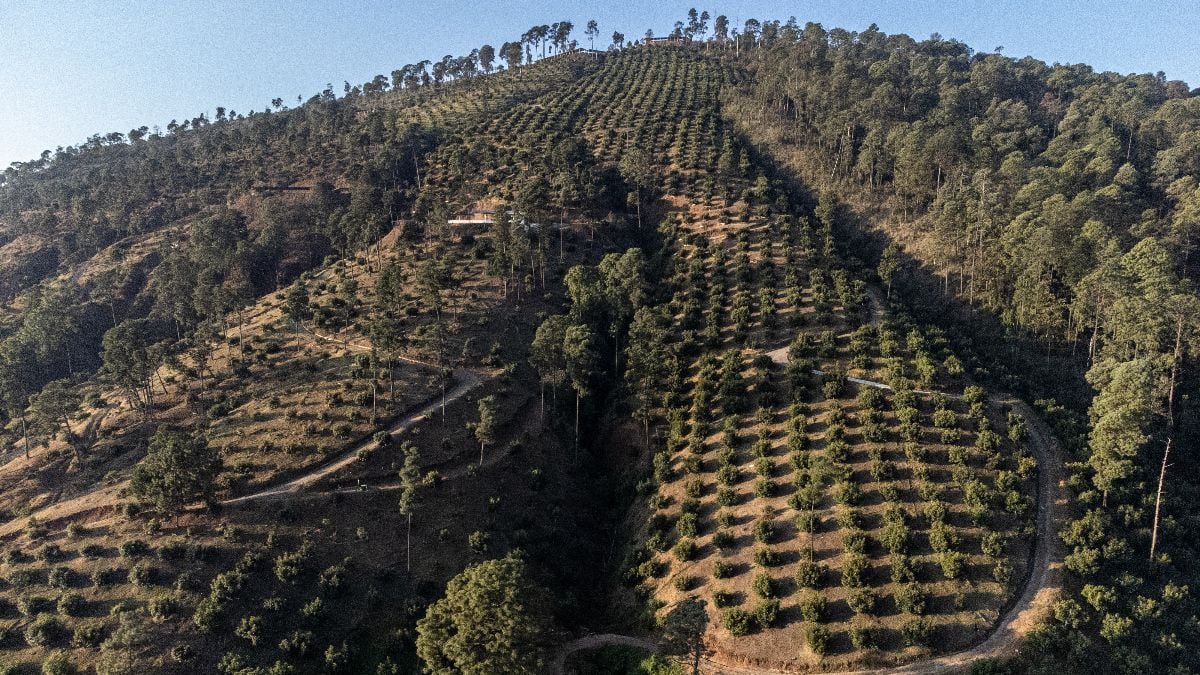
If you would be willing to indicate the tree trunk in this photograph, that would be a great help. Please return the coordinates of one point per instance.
(1162, 476)
(408, 546)
(25, 433)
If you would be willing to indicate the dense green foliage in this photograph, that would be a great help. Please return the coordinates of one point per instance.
(665, 215)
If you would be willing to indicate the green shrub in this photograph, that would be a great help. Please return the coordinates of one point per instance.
(862, 601)
(727, 496)
(738, 622)
(71, 604)
(766, 557)
(853, 569)
(917, 632)
(133, 548)
(57, 663)
(45, 630)
(817, 637)
(861, 637)
(764, 531)
(684, 549)
(87, 635)
(161, 608)
(808, 574)
(766, 612)
(951, 563)
(687, 525)
(724, 540)
(854, 541)
(722, 570)
(911, 599)
(812, 606)
(33, 605)
(762, 585)
(723, 598)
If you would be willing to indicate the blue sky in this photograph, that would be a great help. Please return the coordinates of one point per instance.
(69, 68)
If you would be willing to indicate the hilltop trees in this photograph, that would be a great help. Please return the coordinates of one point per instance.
(547, 357)
(581, 355)
(593, 30)
(130, 360)
(410, 482)
(637, 170)
(485, 428)
(493, 619)
(180, 467)
(52, 407)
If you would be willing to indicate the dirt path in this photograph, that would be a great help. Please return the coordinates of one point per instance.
(559, 665)
(107, 497)
(466, 381)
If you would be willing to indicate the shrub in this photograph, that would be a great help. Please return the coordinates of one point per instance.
(862, 601)
(847, 492)
(853, 569)
(313, 609)
(951, 563)
(32, 605)
(87, 635)
(763, 586)
(250, 629)
(812, 606)
(332, 579)
(686, 525)
(854, 541)
(45, 630)
(727, 496)
(766, 557)
(808, 574)
(142, 574)
(764, 488)
(161, 608)
(722, 570)
(289, 565)
(58, 664)
(766, 612)
(764, 531)
(911, 599)
(917, 632)
(684, 549)
(723, 598)
(1002, 572)
(817, 637)
(724, 540)
(297, 643)
(22, 578)
(902, 571)
(59, 577)
(133, 548)
(71, 604)
(738, 622)
(861, 637)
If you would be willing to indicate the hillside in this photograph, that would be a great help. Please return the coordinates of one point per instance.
(783, 350)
